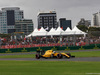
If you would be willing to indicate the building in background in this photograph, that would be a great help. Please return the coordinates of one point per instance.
(8, 16)
(65, 23)
(84, 22)
(25, 25)
(96, 19)
(47, 20)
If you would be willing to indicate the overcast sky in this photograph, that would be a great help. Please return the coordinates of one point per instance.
(70, 9)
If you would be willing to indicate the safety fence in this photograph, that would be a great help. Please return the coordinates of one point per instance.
(32, 49)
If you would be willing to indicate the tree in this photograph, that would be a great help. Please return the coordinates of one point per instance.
(5, 35)
(82, 27)
(94, 31)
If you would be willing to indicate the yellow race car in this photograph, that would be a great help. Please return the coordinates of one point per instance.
(52, 54)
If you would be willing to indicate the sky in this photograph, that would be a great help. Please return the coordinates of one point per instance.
(70, 9)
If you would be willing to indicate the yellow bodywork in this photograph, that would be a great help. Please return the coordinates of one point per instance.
(64, 54)
(48, 53)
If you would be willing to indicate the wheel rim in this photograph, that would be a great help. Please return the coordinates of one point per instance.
(59, 56)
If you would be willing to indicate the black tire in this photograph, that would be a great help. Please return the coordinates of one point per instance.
(46, 57)
(59, 56)
(37, 56)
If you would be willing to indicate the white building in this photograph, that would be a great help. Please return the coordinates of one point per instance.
(8, 16)
(96, 19)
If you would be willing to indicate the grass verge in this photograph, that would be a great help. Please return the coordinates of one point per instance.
(87, 54)
(48, 68)
(19, 56)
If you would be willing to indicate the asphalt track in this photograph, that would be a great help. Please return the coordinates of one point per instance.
(54, 59)
(25, 53)
(51, 59)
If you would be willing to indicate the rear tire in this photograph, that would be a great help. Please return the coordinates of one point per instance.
(37, 56)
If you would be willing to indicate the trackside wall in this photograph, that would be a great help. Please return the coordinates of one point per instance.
(93, 46)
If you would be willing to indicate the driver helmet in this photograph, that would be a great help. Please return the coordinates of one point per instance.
(54, 51)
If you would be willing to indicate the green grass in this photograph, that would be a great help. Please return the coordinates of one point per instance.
(48, 68)
(19, 56)
(87, 54)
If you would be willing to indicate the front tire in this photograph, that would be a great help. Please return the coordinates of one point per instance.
(59, 56)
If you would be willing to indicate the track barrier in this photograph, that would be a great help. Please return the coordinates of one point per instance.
(35, 47)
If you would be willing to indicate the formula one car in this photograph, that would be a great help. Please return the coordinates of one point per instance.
(52, 54)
